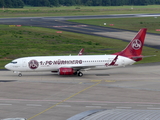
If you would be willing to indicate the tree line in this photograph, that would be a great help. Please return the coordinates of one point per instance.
(12, 3)
(50, 3)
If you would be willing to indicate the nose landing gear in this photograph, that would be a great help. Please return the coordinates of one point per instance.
(20, 74)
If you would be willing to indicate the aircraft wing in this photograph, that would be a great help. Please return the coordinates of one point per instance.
(80, 67)
(86, 67)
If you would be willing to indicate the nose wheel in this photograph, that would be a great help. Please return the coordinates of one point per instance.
(20, 74)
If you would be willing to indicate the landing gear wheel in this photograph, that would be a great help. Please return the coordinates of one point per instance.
(80, 74)
(20, 74)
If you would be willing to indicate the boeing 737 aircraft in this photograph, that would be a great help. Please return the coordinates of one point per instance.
(73, 65)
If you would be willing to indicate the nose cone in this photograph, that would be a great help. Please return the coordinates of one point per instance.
(7, 66)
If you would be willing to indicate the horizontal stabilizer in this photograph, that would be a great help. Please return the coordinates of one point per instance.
(135, 57)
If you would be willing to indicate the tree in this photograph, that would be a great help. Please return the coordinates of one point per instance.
(157, 1)
(136, 2)
(61, 2)
(113, 2)
(89, 3)
(34, 2)
(26, 2)
(8, 3)
(78, 2)
(70, 2)
(106, 2)
(2, 3)
(54, 2)
(96, 2)
(82, 2)
(20, 3)
(14, 3)
(17, 4)
(44, 3)
(129, 2)
(152, 2)
(39, 3)
(119, 2)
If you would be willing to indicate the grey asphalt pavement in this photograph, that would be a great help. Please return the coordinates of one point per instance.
(47, 96)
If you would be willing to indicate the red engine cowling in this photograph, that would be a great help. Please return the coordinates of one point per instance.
(66, 71)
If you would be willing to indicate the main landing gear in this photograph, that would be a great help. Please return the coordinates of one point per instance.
(80, 74)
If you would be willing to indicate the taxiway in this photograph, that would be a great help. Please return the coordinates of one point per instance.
(47, 96)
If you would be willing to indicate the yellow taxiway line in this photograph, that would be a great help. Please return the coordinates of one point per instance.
(63, 100)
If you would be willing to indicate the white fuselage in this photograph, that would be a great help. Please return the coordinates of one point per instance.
(53, 63)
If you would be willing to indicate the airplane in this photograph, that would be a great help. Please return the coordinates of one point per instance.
(73, 65)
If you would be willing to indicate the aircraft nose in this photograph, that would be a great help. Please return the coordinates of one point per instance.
(7, 66)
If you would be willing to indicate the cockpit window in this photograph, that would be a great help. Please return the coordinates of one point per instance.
(14, 62)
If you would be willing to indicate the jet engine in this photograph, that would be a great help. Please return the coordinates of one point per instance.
(66, 71)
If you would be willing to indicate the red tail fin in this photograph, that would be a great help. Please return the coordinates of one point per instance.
(134, 48)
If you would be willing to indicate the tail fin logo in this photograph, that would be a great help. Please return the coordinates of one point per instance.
(136, 44)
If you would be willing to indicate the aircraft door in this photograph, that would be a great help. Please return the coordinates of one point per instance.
(24, 63)
(123, 62)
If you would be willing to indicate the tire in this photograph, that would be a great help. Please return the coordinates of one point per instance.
(80, 74)
(20, 74)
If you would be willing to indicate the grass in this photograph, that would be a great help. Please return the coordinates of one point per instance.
(29, 41)
(151, 23)
(24, 41)
(72, 10)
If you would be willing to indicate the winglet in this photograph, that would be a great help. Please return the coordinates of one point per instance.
(81, 52)
(114, 61)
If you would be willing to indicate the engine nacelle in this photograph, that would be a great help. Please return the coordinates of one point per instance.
(66, 71)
